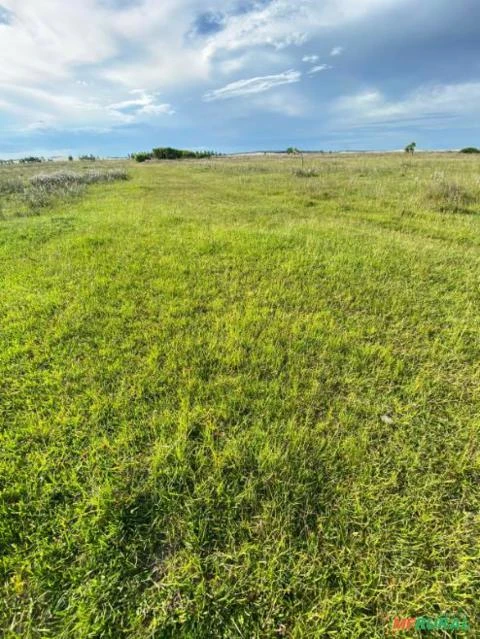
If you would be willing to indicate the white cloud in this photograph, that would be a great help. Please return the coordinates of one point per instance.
(283, 23)
(279, 24)
(310, 58)
(232, 62)
(290, 39)
(67, 50)
(144, 104)
(40, 109)
(435, 104)
(45, 38)
(320, 67)
(50, 39)
(336, 51)
(156, 109)
(253, 85)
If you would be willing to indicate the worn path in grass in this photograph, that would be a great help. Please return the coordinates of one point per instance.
(236, 402)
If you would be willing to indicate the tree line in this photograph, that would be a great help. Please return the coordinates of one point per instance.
(169, 153)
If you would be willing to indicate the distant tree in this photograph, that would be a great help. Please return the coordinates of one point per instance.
(292, 150)
(30, 160)
(90, 158)
(70, 158)
(470, 149)
(410, 148)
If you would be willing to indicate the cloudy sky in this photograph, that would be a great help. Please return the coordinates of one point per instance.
(115, 76)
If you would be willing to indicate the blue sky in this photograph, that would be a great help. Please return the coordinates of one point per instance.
(115, 76)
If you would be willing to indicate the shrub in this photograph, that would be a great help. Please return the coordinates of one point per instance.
(470, 149)
(143, 156)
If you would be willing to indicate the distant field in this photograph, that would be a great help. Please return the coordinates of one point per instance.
(239, 400)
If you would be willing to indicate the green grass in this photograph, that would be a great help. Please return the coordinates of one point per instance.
(237, 403)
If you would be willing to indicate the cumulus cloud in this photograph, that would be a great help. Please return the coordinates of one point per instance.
(336, 51)
(252, 85)
(310, 58)
(131, 41)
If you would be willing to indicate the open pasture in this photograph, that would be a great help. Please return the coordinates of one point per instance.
(239, 400)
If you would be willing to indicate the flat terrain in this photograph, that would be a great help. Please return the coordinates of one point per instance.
(240, 402)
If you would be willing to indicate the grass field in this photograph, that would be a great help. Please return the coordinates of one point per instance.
(238, 402)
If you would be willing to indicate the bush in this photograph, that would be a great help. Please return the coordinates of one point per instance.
(143, 156)
(470, 149)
